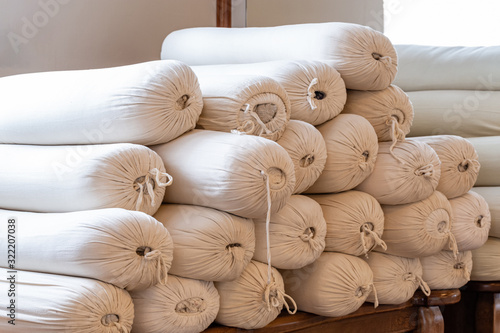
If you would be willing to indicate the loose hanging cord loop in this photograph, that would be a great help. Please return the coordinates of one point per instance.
(150, 190)
(396, 135)
(423, 286)
(377, 240)
(374, 290)
(285, 303)
(310, 93)
(161, 271)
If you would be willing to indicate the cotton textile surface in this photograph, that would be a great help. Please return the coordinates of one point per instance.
(443, 271)
(486, 260)
(128, 249)
(489, 157)
(365, 58)
(147, 103)
(47, 303)
(492, 196)
(53, 179)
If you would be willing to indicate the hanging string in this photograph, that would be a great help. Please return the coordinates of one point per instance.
(310, 93)
(161, 270)
(397, 134)
(365, 229)
(154, 175)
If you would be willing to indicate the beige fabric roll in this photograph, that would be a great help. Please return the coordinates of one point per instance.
(296, 234)
(471, 221)
(419, 229)
(209, 244)
(492, 197)
(228, 172)
(354, 221)
(128, 249)
(55, 179)
(182, 305)
(47, 303)
(351, 145)
(459, 163)
(395, 278)
(307, 149)
(486, 259)
(445, 271)
(488, 150)
(249, 104)
(389, 111)
(408, 174)
(335, 285)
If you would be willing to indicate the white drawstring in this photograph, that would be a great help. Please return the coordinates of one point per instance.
(310, 93)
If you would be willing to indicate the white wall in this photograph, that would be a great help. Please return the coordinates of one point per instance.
(41, 35)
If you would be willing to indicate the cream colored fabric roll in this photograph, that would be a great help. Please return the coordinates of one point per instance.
(471, 221)
(229, 172)
(209, 244)
(365, 58)
(251, 302)
(408, 174)
(249, 104)
(492, 197)
(459, 163)
(335, 285)
(297, 234)
(307, 149)
(351, 145)
(488, 150)
(443, 271)
(182, 305)
(128, 249)
(420, 228)
(57, 179)
(47, 303)
(389, 111)
(395, 278)
(317, 92)
(146, 103)
(354, 222)
(486, 259)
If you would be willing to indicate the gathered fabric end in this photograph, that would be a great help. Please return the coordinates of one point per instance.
(113, 320)
(467, 164)
(426, 170)
(386, 60)
(161, 270)
(397, 134)
(311, 94)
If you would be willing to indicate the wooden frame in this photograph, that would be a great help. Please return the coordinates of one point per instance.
(224, 13)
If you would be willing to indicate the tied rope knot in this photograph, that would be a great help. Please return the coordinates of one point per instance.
(386, 60)
(153, 174)
(274, 297)
(397, 134)
(418, 279)
(242, 128)
(112, 319)
(426, 170)
(377, 241)
(311, 93)
(161, 270)
(467, 164)
(307, 235)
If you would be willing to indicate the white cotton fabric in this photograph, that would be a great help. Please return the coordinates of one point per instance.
(486, 259)
(420, 228)
(471, 220)
(182, 306)
(317, 92)
(354, 222)
(128, 249)
(228, 172)
(296, 234)
(488, 151)
(389, 111)
(351, 146)
(492, 197)
(47, 303)
(210, 245)
(365, 58)
(445, 271)
(408, 174)
(395, 278)
(307, 149)
(146, 103)
(250, 104)
(53, 179)
(335, 285)
(443, 67)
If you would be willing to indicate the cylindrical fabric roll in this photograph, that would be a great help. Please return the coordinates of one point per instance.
(486, 260)
(229, 172)
(354, 222)
(307, 149)
(335, 285)
(182, 305)
(296, 234)
(365, 58)
(48, 303)
(389, 111)
(210, 245)
(250, 104)
(316, 91)
(420, 228)
(489, 156)
(53, 179)
(251, 301)
(492, 197)
(351, 145)
(471, 220)
(128, 249)
(459, 163)
(147, 103)
(444, 270)
(395, 278)
(408, 173)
